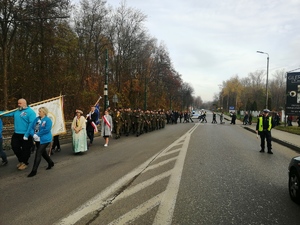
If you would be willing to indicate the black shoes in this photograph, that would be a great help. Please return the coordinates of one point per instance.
(50, 165)
(32, 174)
(269, 151)
(4, 163)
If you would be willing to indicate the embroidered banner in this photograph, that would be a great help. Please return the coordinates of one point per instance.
(56, 114)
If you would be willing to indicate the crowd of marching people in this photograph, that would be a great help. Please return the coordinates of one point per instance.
(32, 132)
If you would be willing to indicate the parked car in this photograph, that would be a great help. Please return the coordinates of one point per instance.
(294, 179)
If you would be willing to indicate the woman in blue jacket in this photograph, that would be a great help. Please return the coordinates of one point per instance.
(41, 133)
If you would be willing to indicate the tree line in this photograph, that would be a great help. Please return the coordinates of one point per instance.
(249, 93)
(51, 47)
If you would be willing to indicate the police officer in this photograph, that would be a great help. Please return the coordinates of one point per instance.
(263, 128)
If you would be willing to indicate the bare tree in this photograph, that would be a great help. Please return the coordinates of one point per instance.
(277, 88)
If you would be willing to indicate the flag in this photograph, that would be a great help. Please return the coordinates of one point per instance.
(55, 108)
(97, 111)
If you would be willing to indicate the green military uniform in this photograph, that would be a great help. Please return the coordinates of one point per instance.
(118, 121)
(127, 121)
(147, 121)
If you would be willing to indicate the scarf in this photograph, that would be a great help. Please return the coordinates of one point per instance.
(106, 121)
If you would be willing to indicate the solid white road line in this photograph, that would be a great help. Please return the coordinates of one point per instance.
(166, 208)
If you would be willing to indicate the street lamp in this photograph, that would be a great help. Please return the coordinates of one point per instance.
(267, 76)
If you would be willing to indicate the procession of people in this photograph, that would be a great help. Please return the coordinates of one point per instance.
(34, 131)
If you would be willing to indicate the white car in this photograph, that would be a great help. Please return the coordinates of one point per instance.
(195, 114)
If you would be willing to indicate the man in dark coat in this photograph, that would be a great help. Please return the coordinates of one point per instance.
(91, 126)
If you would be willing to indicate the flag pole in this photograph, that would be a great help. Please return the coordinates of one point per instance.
(34, 104)
(97, 101)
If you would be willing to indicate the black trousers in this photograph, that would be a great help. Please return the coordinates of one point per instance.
(56, 142)
(265, 135)
(90, 134)
(21, 147)
(41, 151)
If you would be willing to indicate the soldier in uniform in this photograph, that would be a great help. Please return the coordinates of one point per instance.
(147, 121)
(139, 122)
(159, 119)
(163, 119)
(118, 121)
(152, 113)
(127, 121)
(133, 121)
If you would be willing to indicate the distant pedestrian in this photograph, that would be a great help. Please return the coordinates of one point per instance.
(180, 116)
(221, 117)
(250, 118)
(246, 119)
(214, 120)
(185, 117)
(190, 117)
(277, 119)
(233, 118)
(289, 120)
(298, 120)
(263, 128)
(203, 117)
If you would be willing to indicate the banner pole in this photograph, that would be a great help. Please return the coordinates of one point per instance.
(34, 104)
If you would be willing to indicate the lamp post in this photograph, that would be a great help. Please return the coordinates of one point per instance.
(267, 76)
(106, 103)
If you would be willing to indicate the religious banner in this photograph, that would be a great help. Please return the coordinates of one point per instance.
(56, 114)
(293, 93)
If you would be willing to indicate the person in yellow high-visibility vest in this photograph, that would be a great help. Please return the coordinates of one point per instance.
(263, 128)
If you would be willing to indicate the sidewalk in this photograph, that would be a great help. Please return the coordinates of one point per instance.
(289, 140)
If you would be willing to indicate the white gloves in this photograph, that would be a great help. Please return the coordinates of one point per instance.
(25, 138)
(36, 138)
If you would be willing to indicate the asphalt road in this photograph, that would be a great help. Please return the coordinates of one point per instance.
(183, 174)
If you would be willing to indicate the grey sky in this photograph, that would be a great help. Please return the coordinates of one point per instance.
(210, 41)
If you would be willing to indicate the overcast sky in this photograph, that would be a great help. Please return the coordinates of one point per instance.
(209, 41)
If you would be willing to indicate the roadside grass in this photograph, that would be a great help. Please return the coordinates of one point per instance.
(289, 129)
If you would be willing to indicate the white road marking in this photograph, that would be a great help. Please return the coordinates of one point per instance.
(159, 164)
(165, 211)
(166, 200)
(102, 198)
(142, 185)
(138, 211)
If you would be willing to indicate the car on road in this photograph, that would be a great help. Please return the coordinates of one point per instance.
(294, 179)
(195, 115)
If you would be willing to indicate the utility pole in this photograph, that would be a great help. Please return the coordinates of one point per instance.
(106, 81)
